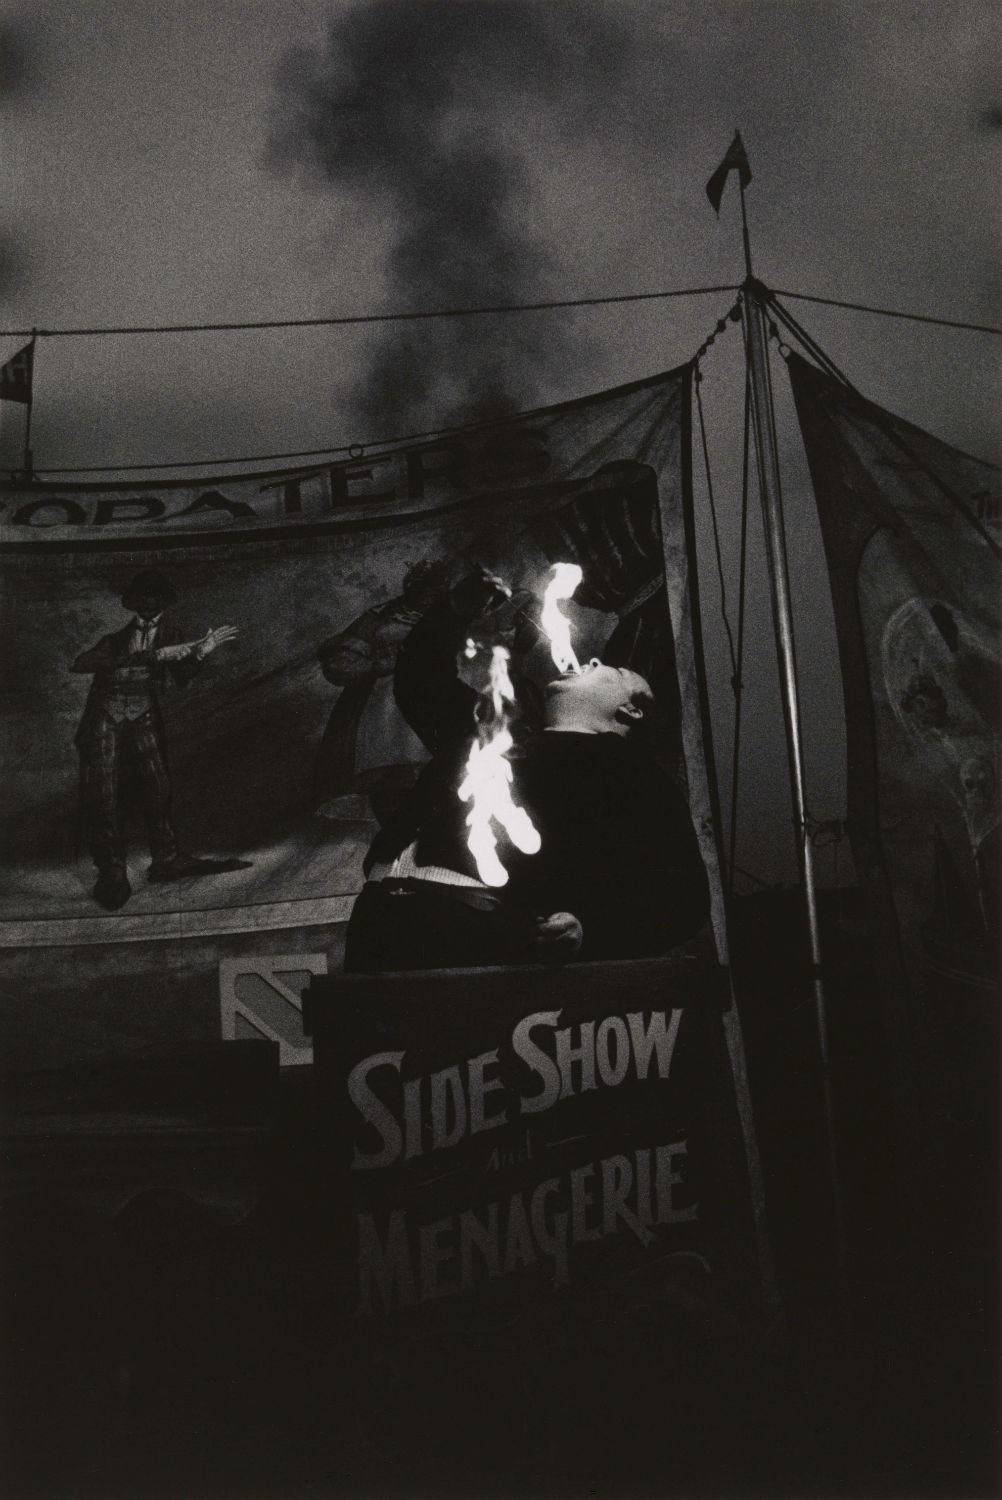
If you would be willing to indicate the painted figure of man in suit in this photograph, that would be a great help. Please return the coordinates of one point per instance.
(122, 732)
(368, 748)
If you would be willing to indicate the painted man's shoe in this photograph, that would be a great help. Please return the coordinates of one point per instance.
(112, 889)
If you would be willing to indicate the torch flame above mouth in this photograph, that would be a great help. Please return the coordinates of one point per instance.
(487, 784)
(566, 577)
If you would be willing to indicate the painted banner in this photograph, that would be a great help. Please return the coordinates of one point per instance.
(276, 755)
(911, 530)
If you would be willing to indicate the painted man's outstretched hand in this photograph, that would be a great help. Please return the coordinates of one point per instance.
(213, 638)
(199, 649)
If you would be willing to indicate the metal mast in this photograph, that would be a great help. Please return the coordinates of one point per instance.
(753, 318)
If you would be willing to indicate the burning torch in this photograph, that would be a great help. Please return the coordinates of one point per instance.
(487, 782)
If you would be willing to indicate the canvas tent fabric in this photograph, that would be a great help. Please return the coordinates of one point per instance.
(910, 528)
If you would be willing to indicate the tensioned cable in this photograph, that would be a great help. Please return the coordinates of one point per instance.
(737, 681)
(306, 453)
(811, 345)
(756, 878)
(355, 451)
(889, 312)
(399, 317)
(713, 518)
(475, 312)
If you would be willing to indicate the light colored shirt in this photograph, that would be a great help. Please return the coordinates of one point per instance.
(144, 634)
(143, 639)
(406, 867)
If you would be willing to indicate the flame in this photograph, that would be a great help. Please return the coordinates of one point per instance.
(500, 691)
(566, 577)
(488, 780)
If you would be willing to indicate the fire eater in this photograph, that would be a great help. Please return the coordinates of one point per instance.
(618, 873)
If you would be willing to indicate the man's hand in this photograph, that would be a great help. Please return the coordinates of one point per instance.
(478, 594)
(558, 936)
(213, 638)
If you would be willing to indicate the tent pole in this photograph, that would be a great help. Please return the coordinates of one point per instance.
(744, 235)
(754, 321)
(27, 460)
(27, 466)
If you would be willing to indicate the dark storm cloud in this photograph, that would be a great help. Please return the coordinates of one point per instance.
(16, 71)
(13, 263)
(417, 105)
(18, 83)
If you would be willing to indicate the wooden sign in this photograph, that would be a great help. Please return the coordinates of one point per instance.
(497, 1127)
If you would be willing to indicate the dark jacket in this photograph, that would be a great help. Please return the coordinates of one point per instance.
(111, 653)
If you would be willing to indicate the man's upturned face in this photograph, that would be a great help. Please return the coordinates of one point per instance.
(600, 688)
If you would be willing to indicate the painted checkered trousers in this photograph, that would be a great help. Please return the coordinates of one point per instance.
(115, 747)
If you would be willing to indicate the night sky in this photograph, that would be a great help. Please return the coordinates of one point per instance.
(204, 162)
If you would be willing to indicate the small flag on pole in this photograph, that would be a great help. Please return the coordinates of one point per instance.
(735, 157)
(15, 376)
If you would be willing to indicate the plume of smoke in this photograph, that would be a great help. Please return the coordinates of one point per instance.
(416, 104)
(16, 71)
(13, 263)
(17, 88)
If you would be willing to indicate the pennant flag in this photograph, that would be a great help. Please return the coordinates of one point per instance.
(15, 375)
(910, 528)
(735, 158)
